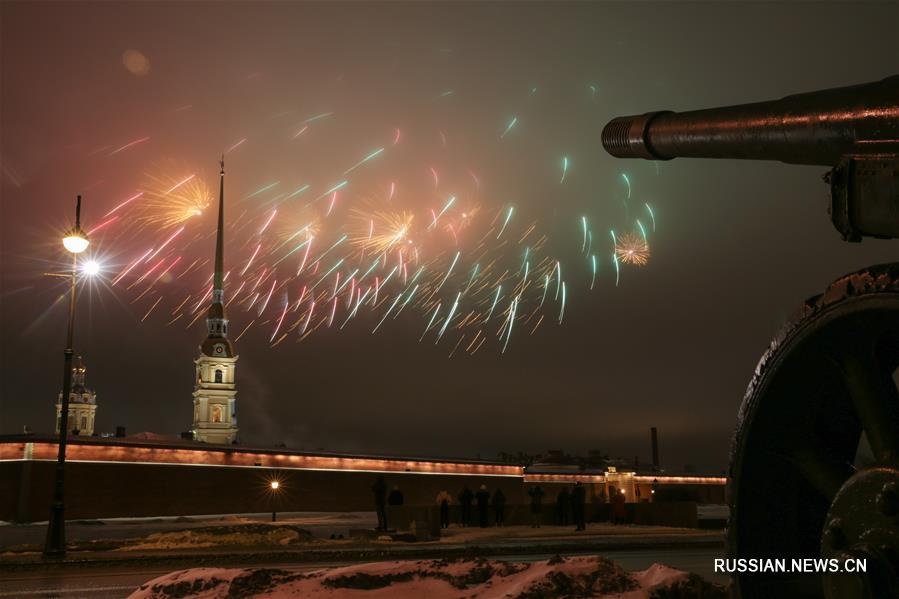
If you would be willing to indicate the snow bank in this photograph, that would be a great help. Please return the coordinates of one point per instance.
(436, 579)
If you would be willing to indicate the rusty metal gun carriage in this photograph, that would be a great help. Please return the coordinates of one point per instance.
(797, 487)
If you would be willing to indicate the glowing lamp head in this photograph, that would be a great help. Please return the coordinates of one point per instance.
(75, 241)
(91, 268)
(274, 485)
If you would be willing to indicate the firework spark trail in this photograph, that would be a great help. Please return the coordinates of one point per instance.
(449, 318)
(617, 269)
(360, 298)
(436, 177)
(262, 189)
(513, 308)
(164, 272)
(101, 225)
(628, 181)
(593, 273)
(235, 146)
(268, 222)
(307, 243)
(546, 281)
(165, 243)
(386, 314)
(280, 320)
(499, 289)
(562, 310)
(642, 230)
(505, 222)
(125, 203)
(129, 145)
(584, 227)
(363, 161)
(250, 261)
(510, 126)
(146, 274)
(318, 117)
(333, 189)
(651, 216)
(564, 169)
(183, 181)
(246, 328)
(156, 303)
(298, 191)
(268, 297)
(430, 322)
(442, 212)
(129, 268)
(333, 312)
(448, 272)
(308, 317)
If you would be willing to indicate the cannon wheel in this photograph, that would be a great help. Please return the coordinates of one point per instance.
(798, 486)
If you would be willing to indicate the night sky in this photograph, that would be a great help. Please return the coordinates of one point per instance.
(505, 102)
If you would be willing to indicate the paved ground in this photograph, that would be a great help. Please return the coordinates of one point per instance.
(322, 526)
(111, 572)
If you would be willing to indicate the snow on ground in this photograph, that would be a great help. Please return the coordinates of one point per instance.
(214, 536)
(589, 576)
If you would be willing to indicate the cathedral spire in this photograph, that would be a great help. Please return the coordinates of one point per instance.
(217, 343)
(218, 284)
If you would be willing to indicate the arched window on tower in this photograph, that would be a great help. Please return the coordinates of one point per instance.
(218, 376)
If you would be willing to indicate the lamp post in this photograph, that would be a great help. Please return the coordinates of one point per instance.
(75, 242)
(274, 485)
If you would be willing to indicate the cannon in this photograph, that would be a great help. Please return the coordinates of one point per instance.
(814, 463)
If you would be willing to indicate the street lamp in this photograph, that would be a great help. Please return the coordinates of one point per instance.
(274, 486)
(75, 241)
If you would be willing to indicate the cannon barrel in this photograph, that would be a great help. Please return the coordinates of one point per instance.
(818, 128)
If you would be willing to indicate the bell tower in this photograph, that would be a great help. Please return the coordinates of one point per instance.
(215, 389)
(82, 403)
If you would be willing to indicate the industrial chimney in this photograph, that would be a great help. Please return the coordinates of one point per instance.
(654, 433)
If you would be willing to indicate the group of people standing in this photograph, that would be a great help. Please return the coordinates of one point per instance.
(483, 500)
(571, 503)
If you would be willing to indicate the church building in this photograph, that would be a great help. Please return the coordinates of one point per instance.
(215, 389)
(82, 403)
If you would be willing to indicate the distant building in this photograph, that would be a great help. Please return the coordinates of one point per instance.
(82, 403)
(215, 389)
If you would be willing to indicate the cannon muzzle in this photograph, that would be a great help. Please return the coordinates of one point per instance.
(854, 130)
(812, 128)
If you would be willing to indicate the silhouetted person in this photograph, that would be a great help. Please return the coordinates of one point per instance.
(483, 497)
(578, 501)
(563, 502)
(443, 500)
(619, 512)
(395, 497)
(465, 498)
(536, 493)
(499, 507)
(379, 489)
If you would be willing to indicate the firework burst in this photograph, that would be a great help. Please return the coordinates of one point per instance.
(632, 249)
(171, 199)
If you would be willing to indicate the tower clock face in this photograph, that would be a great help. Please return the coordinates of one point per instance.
(219, 349)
